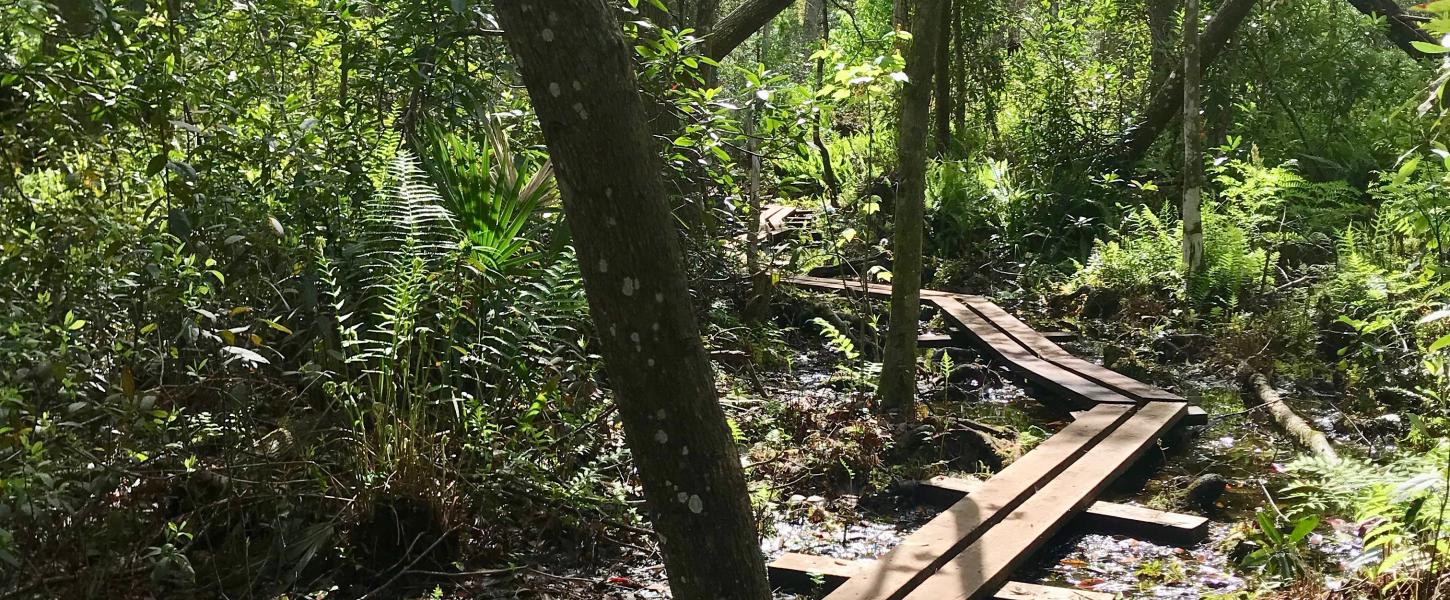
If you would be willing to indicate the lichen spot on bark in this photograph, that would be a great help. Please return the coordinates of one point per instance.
(577, 86)
(682, 497)
(547, 34)
(603, 266)
(583, 114)
(684, 450)
(661, 436)
(650, 362)
(630, 285)
(696, 504)
(660, 297)
(660, 415)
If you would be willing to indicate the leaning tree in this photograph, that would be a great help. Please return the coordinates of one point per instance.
(576, 66)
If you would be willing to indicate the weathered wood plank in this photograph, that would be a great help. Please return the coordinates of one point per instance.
(1009, 339)
(986, 563)
(800, 573)
(796, 572)
(1030, 366)
(1100, 517)
(936, 542)
(934, 340)
(849, 287)
(1196, 416)
(1041, 346)
(1145, 523)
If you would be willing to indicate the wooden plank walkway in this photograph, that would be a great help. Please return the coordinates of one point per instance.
(1078, 383)
(1147, 524)
(993, 527)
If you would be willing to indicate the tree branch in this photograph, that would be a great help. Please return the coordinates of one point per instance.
(1168, 100)
(740, 24)
(1403, 28)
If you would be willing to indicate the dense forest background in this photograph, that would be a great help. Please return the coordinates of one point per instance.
(288, 305)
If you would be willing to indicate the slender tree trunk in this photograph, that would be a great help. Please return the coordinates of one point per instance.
(1167, 101)
(901, 15)
(828, 170)
(959, 72)
(1192, 153)
(898, 370)
(1160, 31)
(758, 305)
(577, 68)
(944, 80)
(811, 28)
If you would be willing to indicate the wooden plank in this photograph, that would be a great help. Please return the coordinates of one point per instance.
(1037, 359)
(1035, 369)
(934, 340)
(1117, 381)
(846, 287)
(1012, 326)
(1101, 517)
(1016, 590)
(795, 572)
(986, 563)
(777, 218)
(1058, 337)
(1196, 416)
(1143, 523)
(936, 542)
(1041, 346)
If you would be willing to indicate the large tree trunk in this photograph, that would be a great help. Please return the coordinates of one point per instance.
(943, 80)
(579, 75)
(739, 25)
(1160, 31)
(1402, 28)
(897, 389)
(1192, 152)
(1168, 100)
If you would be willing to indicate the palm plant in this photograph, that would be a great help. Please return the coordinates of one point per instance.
(493, 194)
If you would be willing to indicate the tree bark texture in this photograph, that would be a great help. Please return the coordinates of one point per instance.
(577, 68)
(959, 70)
(739, 25)
(1192, 140)
(1402, 29)
(1160, 15)
(1168, 100)
(897, 389)
(943, 102)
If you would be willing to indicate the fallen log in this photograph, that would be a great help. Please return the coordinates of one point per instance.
(1299, 429)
